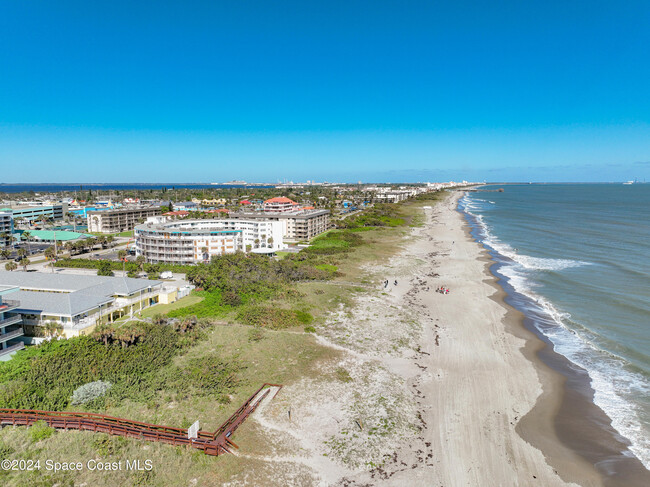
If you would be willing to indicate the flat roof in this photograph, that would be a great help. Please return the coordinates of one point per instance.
(61, 235)
(123, 210)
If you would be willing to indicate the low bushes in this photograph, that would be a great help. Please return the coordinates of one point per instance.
(273, 318)
(136, 359)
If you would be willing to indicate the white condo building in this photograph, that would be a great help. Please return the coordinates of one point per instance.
(194, 241)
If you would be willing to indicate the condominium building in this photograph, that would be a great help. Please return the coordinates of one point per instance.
(120, 220)
(193, 241)
(10, 323)
(36, 212)
(77, 302)
(6, 228)
(296, 225)
(280, 204)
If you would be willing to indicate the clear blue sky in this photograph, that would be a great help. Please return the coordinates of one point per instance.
(189, 91)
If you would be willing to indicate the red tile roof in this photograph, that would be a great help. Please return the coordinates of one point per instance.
(281, 199)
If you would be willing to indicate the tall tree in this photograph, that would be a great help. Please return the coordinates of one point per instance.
(27, 236)
(121, 254)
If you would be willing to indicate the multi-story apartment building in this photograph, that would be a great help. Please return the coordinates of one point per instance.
(280, 204)
(296, 225)
(6, 228)
(76, 302)
(193, 241)
(120, 220)
(10, 324)
(36, 212)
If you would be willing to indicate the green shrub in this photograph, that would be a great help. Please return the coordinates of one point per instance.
(40, 431)
(310, 329)
(267, 317)
(304, 317)
(107, 446)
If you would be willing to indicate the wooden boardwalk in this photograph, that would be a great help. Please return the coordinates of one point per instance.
(214, 443)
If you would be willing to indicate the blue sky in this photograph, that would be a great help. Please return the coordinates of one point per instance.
(373, 91)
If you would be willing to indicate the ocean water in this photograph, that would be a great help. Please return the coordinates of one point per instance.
(581, 253)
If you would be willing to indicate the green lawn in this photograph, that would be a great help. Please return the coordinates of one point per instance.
(166, 308)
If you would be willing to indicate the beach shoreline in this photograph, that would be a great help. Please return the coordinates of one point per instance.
(458, 375)
(566, 406)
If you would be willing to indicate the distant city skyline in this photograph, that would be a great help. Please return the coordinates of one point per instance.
(337, 91)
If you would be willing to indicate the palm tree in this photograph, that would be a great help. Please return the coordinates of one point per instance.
(257, 242)
(5, 254)
(22, 252)
(53, 329)
(4, 236)
(140, 260)
(50, 254)
(109, 240)
(121, 254)
(270, 241)
(70, 217)
(11, 266)
(248, 247)
(27, 236)
(24, 262)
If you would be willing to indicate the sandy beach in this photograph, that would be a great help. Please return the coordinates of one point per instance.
(443, 389)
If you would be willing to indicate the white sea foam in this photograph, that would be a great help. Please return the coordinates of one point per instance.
(611, 380)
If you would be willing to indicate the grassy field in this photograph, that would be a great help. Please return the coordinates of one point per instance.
(166, 308)
(262, 355)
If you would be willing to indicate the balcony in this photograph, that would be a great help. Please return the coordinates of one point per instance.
(12, 334)
(10, 321)
(8, 305)
(12, 348)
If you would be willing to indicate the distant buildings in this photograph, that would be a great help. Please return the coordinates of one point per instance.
(121, 220)
(76, 302)
(6, 228)
(280, 204)
(186, 206)
(300, 224)
(36, 212)
(210, 202)
(10, 323)
(193, 241)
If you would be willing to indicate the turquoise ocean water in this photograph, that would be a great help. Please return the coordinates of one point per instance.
(581, 253)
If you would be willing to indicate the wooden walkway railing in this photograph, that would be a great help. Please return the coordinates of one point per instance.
(214, 443)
